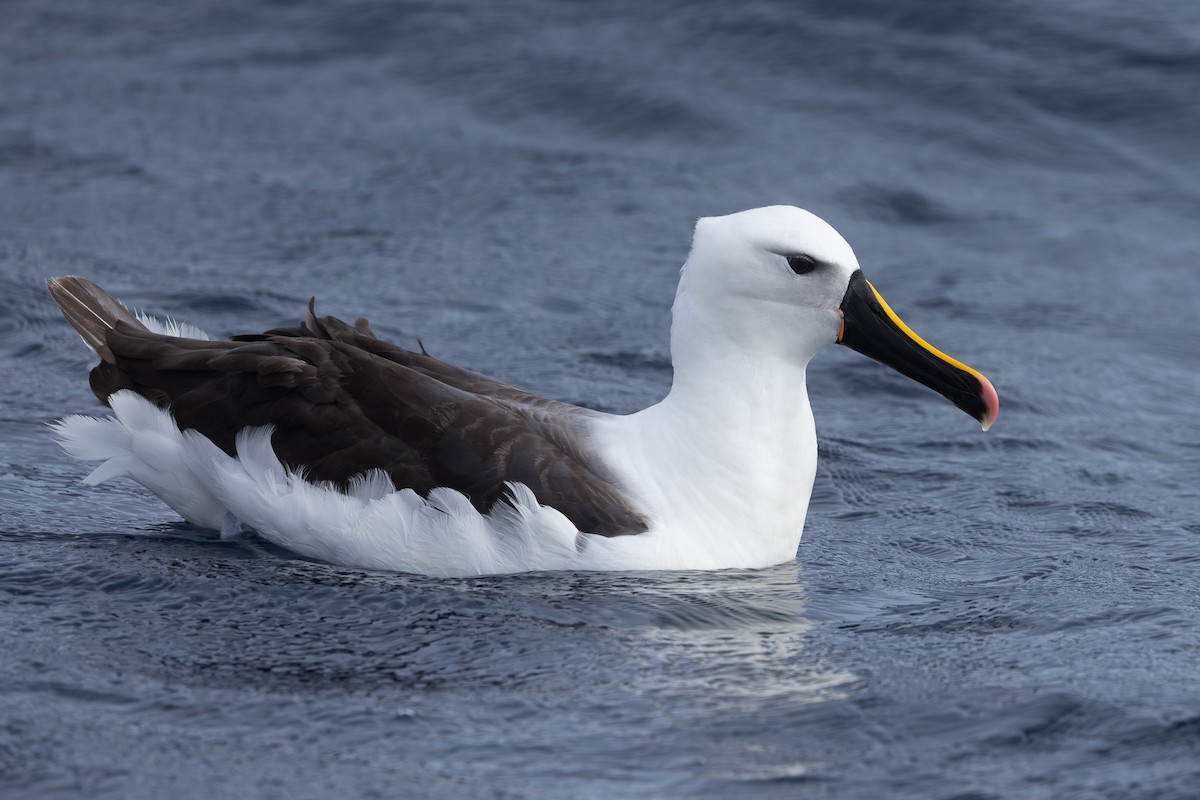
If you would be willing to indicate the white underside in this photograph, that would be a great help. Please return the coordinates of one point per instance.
(373, 525)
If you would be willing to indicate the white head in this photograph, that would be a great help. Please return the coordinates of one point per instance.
(768, 281)
(775, 285)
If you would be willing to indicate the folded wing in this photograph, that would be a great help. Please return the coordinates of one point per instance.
(343, 401)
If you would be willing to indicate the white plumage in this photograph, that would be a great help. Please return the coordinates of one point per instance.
(722, 468)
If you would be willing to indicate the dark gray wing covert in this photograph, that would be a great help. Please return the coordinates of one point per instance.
(343, 401)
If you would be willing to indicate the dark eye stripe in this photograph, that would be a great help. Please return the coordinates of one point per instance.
(802, 264)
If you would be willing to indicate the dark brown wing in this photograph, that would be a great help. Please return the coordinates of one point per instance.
(361, 336)
(343, 401)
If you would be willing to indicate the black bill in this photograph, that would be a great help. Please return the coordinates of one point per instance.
(871, 327)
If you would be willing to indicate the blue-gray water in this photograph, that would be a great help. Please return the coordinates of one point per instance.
(1012, 614)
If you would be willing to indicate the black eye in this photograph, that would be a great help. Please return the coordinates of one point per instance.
(802, 264)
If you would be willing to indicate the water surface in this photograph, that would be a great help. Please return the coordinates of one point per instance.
(1004, 615)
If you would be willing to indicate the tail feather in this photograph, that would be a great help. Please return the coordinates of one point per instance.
(91, 311)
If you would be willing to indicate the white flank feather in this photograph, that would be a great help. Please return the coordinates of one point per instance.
(142, 442)
(169, 327)
(372, 525)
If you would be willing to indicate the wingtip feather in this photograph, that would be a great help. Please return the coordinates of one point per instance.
(91, 311)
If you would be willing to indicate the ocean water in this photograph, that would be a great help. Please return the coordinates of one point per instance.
(1005, 615)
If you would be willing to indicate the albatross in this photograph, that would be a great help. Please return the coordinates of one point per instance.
(340, 446)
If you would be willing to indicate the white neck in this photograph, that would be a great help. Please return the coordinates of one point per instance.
(724, 465)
